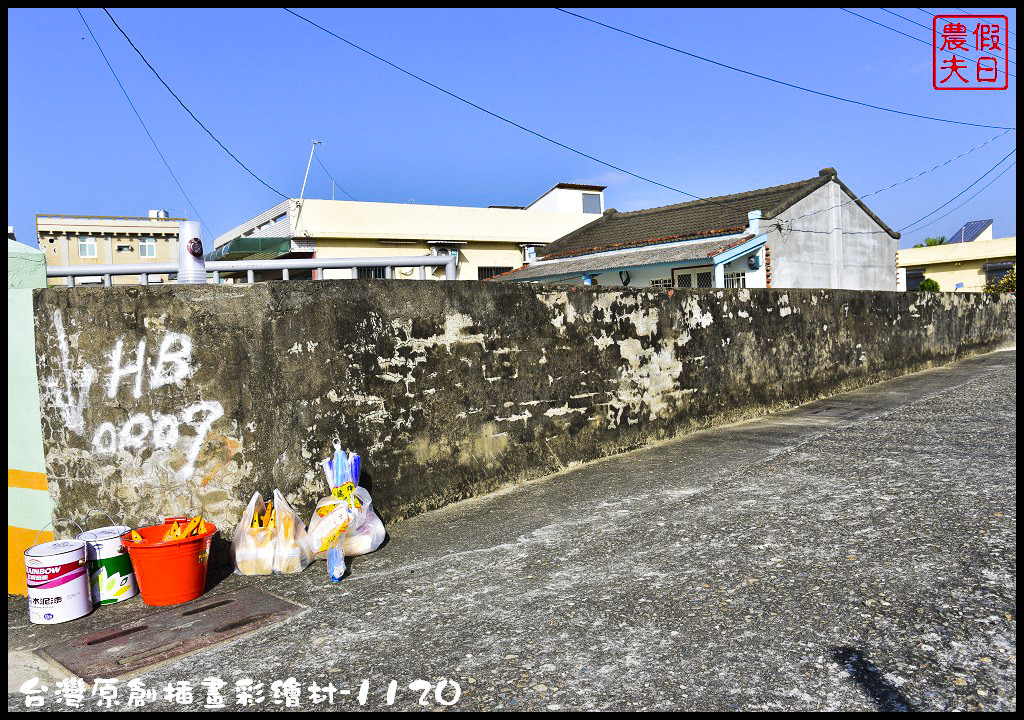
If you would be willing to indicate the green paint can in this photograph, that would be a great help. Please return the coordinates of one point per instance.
(111, 575)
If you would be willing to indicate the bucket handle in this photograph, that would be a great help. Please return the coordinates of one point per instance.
(96, 510)
(50, 524)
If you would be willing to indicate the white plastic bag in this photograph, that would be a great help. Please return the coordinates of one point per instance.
(347, 518)
(331, 520)
(252, 549)
(281, 548)
(364, 538)
(291, 546)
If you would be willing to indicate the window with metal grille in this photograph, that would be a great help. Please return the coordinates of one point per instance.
(370, 273)
(87, 247)
(662, 283)
(684, 280)
(705, 279)
(486, 273)
(736, 280)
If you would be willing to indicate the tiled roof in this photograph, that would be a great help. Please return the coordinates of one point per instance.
(969, 232)
(723, 215)
(677, 252)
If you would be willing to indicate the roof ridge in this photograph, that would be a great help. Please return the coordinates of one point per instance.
(717, 198)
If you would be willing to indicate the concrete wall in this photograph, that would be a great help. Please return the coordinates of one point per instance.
(161, 400)
(835, 247)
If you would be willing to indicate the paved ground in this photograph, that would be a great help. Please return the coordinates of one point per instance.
(854, 553)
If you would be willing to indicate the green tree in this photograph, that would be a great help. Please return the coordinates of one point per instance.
(932, 241)
(928, 285)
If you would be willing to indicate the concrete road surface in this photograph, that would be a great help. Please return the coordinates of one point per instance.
(854, 553)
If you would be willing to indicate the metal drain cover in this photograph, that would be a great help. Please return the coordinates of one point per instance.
(169, 634)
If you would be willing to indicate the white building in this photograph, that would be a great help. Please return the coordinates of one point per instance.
(814, 233)
(488, 241)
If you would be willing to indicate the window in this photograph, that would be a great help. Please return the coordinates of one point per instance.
(914, 278)
(86, 247)
(125, 248)
(592, 203)
(736, 280)
(147, 247)
(698, 277)
(370, 273)
(662, 283)
(994, 271)
(486, 273)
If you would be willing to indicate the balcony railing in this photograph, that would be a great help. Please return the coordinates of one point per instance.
(215, 268)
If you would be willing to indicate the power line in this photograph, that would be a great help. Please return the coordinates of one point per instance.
(895, 184)
(494, 114)
(329, 174)
(142, 122)
(923, 42)
(139, 52)
(931, 31)
(960, 193)
(1005, 170)
(778, 225)
(965, 12)
(781, 82)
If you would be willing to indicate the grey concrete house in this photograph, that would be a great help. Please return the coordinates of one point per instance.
(814, 233)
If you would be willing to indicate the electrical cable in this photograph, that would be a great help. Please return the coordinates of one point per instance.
(1005, 170)
(142, 122)
(329, 174)
(923, 42)
(496, 115)
(930, 30)
(783, 82)
(223, 147)
(982, 177)
(965, 12)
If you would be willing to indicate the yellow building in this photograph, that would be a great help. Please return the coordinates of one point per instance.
(957, 267)
(82, 240)
(487, 241)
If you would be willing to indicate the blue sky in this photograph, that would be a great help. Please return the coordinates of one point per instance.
(266, 84)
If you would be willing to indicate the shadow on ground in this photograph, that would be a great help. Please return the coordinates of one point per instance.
(862, 671)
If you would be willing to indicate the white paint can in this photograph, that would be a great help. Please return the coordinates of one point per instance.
(57, 576)
(111, 576)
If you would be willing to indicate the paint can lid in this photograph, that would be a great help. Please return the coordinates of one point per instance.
(104, 533)
(55, 548)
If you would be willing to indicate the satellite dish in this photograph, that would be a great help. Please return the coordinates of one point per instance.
(624, 276)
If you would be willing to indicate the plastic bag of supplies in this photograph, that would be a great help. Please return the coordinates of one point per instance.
(345, 516)
(270, 539)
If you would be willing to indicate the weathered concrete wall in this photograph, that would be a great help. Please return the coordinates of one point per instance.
(160, 400)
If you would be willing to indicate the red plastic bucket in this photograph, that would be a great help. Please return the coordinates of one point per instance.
(171, 572)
